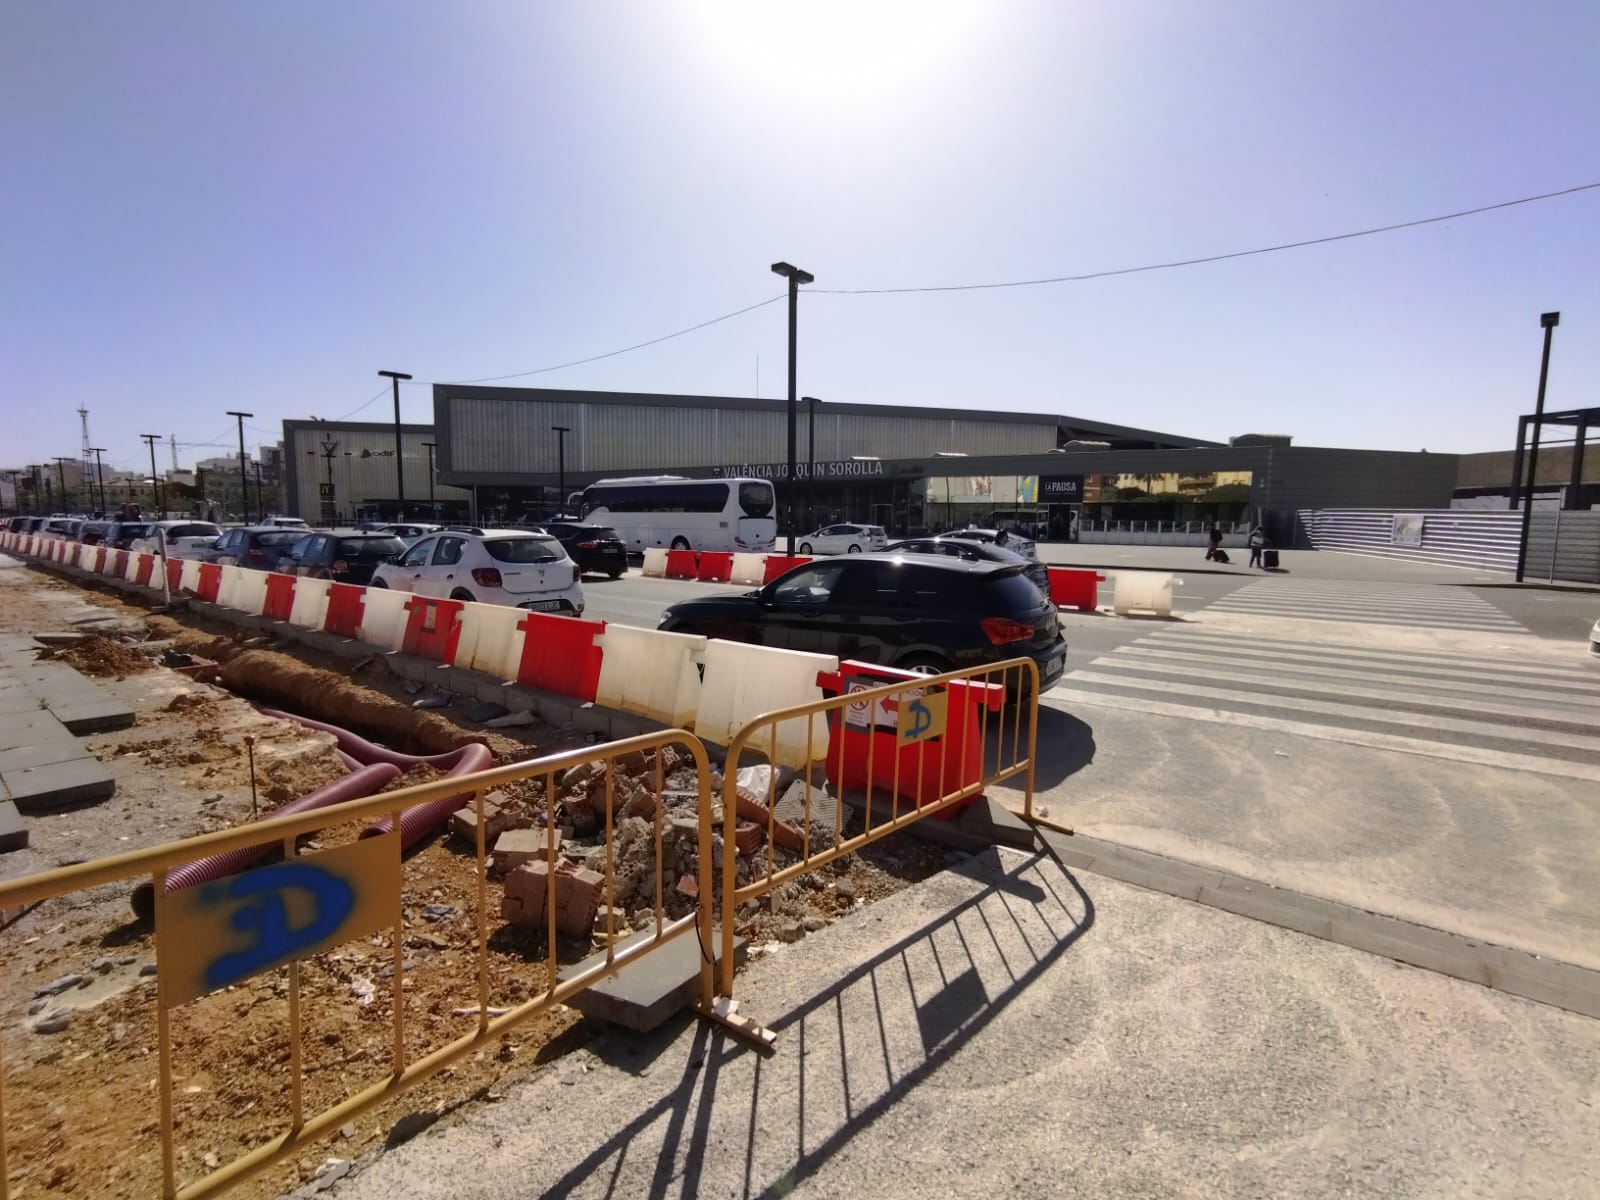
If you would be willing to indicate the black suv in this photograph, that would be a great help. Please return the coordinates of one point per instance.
(341, 557)
(907, 611)
(972, 550)
(593, 547)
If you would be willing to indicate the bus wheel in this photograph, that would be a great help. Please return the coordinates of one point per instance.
(679, 543)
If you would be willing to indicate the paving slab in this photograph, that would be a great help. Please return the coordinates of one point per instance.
(648, 991)
(58, 785)
(42, 754)
(93, 716)
(23, 729)
(13, 832)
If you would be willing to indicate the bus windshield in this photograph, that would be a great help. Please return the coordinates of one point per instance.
(697, 514)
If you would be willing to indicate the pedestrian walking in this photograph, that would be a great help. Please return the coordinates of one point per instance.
(1213, 543)
(1257, 542)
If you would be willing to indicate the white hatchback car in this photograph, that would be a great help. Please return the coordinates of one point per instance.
(492, 566)
(843, 539)
(184, 539)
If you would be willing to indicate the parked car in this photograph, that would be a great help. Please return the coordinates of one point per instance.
(183, 539)
(123, 534)
(844, 539)
(92, 533)
(344, 556)
(974, 551)
(494, 566)
(910, 611)
(283, 523)
(593, 547)
(408, 532)
(1014, 542)
(259, 547)
(1594, 640)
(60, 528)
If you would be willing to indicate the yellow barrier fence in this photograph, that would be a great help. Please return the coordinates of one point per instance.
(218, 937)
(916, 747)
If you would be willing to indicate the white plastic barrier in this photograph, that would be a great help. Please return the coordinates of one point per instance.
(490, 640)
(130, 569)
(742, 682)
(245, 590)
(189, 581)
(651, 673)
(655, 564)
(383, 618)
(750, 568)
(1144, 590)
(310, 602)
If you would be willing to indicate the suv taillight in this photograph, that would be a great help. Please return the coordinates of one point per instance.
(256, 554)
(1002, 631)
(486, 577)
(577, 572)
(588, 545)
(340, 567)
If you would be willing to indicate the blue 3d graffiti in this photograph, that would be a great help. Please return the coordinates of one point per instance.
(266, 916)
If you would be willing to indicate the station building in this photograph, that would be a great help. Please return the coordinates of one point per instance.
(499, 456)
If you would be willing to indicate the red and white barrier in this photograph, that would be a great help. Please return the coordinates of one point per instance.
(750, 569)
(310, 602)
(383, 619)
(655, 564)
(561, 655)
(743, 681)
(490, 639)
(651, 673)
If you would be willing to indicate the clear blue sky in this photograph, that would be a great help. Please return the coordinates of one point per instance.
(208, 206)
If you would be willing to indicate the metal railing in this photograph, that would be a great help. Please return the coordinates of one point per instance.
(862, 726)
(361, 882)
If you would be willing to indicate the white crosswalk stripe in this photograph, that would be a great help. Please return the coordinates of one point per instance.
(1521, 714)
(1368, 603)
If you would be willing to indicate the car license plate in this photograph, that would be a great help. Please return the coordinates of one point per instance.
(543, 605)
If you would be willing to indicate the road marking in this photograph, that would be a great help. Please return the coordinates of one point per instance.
(1441, 658)
(1369, 739)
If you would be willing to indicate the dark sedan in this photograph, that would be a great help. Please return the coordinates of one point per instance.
(910, 611)
(122, 534)
(594, 548)
(259, 547)
(972, 550)
(341, 557)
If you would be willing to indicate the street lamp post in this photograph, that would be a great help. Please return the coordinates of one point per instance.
(561, 432)
(100, 475)
(796, 277)
(1548, 321)
(61, 474)
(430, 447)
(399, 451)
(155, 482)
(244, 476)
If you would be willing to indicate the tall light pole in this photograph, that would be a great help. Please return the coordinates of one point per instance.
(100, 475)
(1548, 321)
(61, 474)
(561, 432)
(796, 277)
(399, 451)
(244, 477)
(155, 482)
(430, 447)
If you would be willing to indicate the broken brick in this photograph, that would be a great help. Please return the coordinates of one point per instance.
(748, 837)
(464, 823)
(516, 847)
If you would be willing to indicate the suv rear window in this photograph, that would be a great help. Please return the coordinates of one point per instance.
(1011, 592)
(595, 533)
(197, 530)
(531, 549)
(371, 549)
(279, 537)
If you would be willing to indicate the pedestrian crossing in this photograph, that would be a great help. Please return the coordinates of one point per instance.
(1516, 713)
(1420, 605)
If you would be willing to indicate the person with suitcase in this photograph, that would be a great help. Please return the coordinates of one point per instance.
(1257, 542)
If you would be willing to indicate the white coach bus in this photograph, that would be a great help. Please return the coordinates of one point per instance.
(685, 514)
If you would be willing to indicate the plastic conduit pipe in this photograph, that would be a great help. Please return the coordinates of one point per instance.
(418, 822)
(362, 782)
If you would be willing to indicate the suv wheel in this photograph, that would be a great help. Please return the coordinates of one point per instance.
(854, 549)
(805, 547)
(378, 583)
(924, 664)
(461, 594)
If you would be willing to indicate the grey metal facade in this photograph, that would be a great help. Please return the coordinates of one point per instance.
(357, 481)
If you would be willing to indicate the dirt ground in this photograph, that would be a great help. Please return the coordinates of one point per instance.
(81, 1105)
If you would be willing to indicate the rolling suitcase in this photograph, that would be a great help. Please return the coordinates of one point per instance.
(1269, 560)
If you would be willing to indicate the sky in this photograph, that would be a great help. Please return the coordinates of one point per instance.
(214, 206)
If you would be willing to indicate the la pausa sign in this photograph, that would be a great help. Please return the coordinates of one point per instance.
(824, 470)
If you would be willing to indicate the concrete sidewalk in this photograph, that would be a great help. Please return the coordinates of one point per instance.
(1008, 1027)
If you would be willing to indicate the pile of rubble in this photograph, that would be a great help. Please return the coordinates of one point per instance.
(653, 801)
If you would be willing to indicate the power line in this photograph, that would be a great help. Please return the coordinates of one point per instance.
(376, 396)
(1210, 258)
(578, 362)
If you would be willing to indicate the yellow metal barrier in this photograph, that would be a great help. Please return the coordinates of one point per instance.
(968, 729)
(214, 935)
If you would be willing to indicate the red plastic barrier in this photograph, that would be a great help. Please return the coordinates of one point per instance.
(210, 582)
(99, 563)
(928, 769)
(280, 597)
(76, 554)
(778, 564)
(559, 655)
(433, 627)
(144, 570)
(682, 564)
(1075, 589)
(346, 602)
(714, 568)
(175, 576)
(119, 563)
